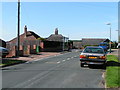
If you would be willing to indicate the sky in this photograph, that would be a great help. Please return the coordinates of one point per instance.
(75, 20)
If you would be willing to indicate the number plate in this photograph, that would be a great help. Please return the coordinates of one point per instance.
(92, 57)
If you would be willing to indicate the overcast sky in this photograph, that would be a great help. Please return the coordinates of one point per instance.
(75, 20)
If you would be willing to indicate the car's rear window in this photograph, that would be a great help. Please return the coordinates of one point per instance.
(94, 50)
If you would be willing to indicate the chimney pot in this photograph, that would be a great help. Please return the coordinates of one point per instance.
(25, 30)
(56, 31)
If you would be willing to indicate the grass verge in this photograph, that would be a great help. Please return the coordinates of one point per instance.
(112, 72)
(7, 62)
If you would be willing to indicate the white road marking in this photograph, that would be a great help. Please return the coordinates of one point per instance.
(75, 56)
(51, 62)
(58, 62)
(63, 60)
(72, 57)
(68, 58)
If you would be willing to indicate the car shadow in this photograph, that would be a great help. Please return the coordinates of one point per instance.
(97, 67)
(108, 64)
(112, 63)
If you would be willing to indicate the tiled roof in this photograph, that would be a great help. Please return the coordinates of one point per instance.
(30, 36)
(55, 37)
(92, 41)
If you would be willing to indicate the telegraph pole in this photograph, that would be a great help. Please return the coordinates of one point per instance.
(110, 36)
(18, 34)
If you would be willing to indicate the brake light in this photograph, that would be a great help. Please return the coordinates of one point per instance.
(82, 56)
(102, 57)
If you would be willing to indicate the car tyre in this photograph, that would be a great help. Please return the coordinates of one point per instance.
(104, 66)
(82, 65)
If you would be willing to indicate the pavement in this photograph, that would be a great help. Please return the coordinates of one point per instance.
(33, 57)
(114, 52)
(61, 71)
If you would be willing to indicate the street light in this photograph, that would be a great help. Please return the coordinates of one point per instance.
(110, 36)
(118, 35)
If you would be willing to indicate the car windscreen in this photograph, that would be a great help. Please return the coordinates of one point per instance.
(93, 50)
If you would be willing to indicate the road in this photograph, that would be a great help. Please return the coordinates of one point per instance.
(61, 71)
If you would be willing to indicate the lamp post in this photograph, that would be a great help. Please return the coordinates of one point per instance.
(118, 35)
(110, 36)
(18, 34)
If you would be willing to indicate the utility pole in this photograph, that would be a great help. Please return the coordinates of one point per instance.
(18, 34)
(110, 36)
(119, 33)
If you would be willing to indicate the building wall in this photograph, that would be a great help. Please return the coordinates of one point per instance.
(26, 48)
(77, 45)
(51, 46)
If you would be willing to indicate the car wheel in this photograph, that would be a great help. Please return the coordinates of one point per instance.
(104, 66)
(90, 65)
(82, 65)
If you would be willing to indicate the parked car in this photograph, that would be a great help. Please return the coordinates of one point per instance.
(3, 52)
(93, 56)
(104, 45)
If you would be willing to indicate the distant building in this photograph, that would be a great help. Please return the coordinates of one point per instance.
(76, 44)
(57, 37)
(2, 43)
(92, 41)
(62, 40)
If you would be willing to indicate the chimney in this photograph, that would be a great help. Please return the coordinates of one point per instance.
(56, 31)
(25, 30)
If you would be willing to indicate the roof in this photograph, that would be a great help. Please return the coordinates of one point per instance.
(54, 37)
(29, 36)
(93, 47)
(2, 40)
(76, 40)
(92, 41)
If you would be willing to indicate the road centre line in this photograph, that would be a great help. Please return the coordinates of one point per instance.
(72, 57)
(63, 60)
(48, 57)
(58, 62)
(68, 58)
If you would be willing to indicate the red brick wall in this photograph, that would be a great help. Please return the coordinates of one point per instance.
(12, 52)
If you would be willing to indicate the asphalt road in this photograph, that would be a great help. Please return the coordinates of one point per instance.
(61, 71)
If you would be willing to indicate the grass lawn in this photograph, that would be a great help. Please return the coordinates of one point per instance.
(112, 72)
(6, 62)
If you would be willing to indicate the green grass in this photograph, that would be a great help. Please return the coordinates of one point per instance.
(7, 62)
(113, 72)
(112, 58)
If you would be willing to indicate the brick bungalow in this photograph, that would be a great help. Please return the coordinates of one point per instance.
(28, 43)
(56, 42)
